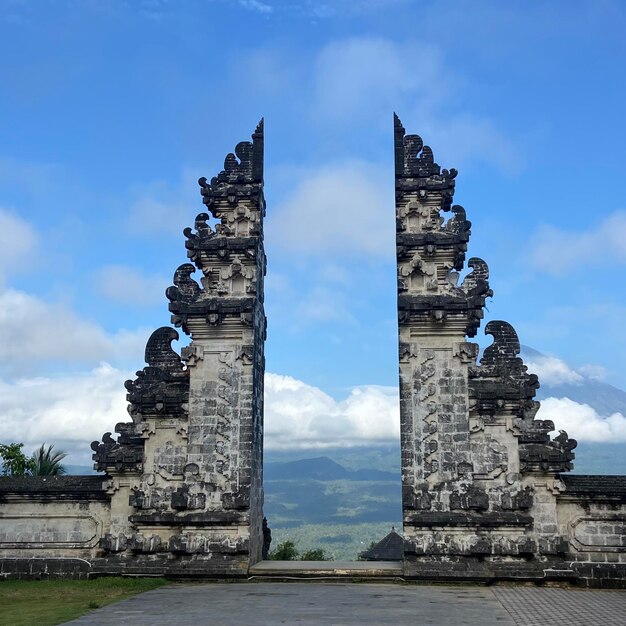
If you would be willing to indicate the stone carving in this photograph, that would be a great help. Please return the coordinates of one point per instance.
(476, 283)
(485, 489)
(161, 388)
(192, 455)
(501, 380)
(185, 288)
(125, 454)
(241, 177)
(468, 431)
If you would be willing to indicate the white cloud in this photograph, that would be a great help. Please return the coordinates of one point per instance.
(553, 371)
(298, 415)
(582, 422)
(258, 7)
(593, 372)
(366, 78)
(33, 332)
(125, 284)
(72, 411)
(345, 209)
(69, 412)
(361, 80)
(557, 251)
(17, 241)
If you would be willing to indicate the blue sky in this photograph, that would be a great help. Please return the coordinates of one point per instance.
(110, 111)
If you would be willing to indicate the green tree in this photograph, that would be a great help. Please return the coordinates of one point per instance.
(14, 461)
(372, 544)
(47, 462)
(285, 551)
(314, 555)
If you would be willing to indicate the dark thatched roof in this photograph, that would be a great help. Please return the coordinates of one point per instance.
(389, 548)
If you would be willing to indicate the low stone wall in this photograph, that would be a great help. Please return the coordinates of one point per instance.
(51, 526)
(592, 515)
(60, 527)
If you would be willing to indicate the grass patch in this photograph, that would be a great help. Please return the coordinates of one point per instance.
(49, 602)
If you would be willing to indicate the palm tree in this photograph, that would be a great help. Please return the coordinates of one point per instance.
(47, 462)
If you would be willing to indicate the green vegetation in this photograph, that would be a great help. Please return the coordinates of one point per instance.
(339, 542)
(14, 461)
(314, 555)
(43, 462)
(291, 503)
(48, 463)
(287, 551)
(50, 602)
(337, 506)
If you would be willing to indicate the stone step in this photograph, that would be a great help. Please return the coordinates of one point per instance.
(327, 569)
(559, 574)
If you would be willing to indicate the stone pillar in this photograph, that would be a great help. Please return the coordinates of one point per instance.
(473, 456)
(226, 321)
(434, 317)
(186, 475)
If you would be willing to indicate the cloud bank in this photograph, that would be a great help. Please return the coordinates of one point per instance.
(552, 370)
(582, 422)
(72, 411)
(69, 411)
(298, 415)
(34, 332)
(341, 209)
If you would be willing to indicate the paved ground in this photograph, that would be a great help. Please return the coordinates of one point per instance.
(266, 604)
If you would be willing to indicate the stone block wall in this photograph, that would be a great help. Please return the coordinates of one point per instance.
(51, 527)
(486, 493)
(483, 493)
(591, 513)
(192, 505)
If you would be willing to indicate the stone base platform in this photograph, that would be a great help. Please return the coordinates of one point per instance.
(326, 569)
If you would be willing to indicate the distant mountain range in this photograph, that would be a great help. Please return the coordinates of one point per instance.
(604, 398)
(318, 490)
(321, 468)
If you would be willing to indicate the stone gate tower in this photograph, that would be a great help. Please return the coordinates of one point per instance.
(479, 473)
(486, 493)
(186, 476)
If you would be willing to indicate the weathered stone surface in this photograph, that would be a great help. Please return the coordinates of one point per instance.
(481, 485)
(190, 484)
(484, 486)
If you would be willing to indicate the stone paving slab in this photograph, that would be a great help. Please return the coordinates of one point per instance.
(541, 606)
(345, 604)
